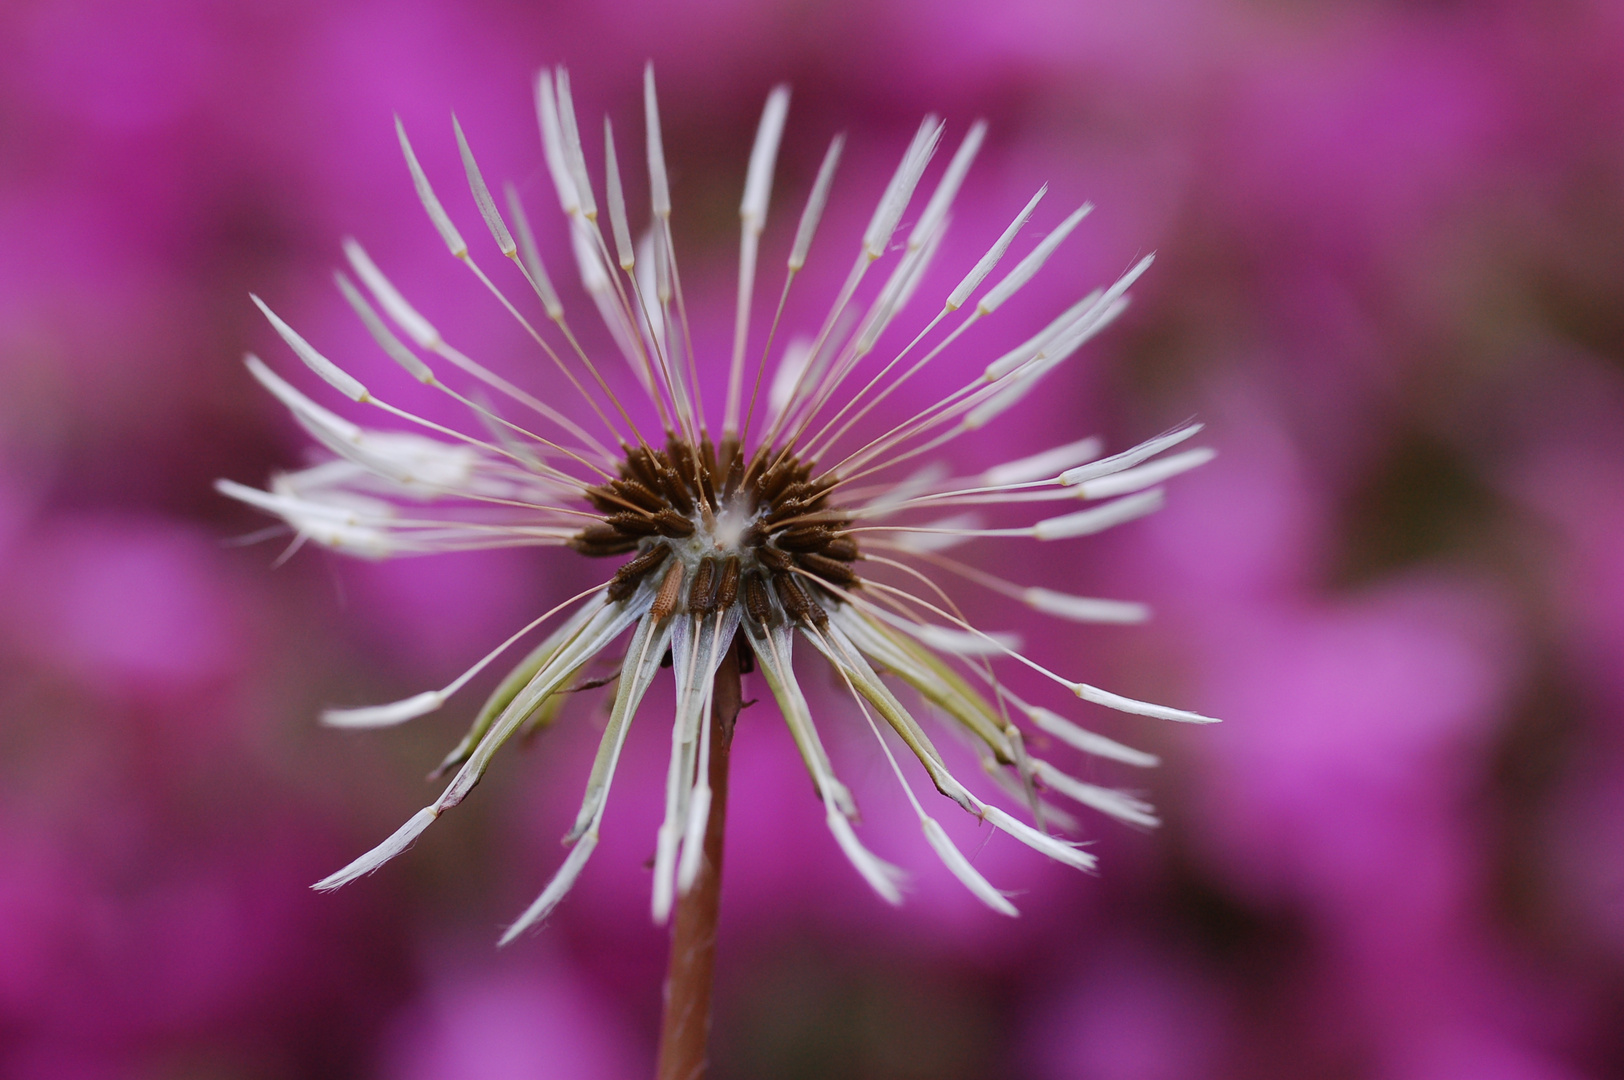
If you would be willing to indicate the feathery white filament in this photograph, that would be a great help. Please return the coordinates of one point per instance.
(552, 145)
(617, 200)
(1129, 458)
(1041, 466)
(556, 889)
(1118, 804)
(389, 298)
(482, 194)
(1139, 708)
(958, 643)
(531, 255)
(901, 188)
(298, 404)
(948, 187)
(338, 379)
(815, 202)
(574, 156)
(758, 179)
(753, 217)
(401, 839)
(983, 267)
(387, 341)
(1100, 518)
(659, 187)
(1033, 347)
(431, 202)
(1084, 609)
(1027, 267)
(1144, 476)
(1087, 741)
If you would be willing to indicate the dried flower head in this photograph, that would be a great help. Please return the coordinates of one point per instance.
(776, 529)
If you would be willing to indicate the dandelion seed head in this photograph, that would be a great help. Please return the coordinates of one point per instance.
(776, 526)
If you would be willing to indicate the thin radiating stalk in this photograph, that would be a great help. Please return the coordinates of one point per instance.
(685, 1028)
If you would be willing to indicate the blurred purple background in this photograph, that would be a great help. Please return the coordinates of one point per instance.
(1391, 279)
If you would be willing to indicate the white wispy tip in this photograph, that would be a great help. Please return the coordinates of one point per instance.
(978, 273)
(1043, 465)
(948, 187)
(617, 200)
(337, 378)
(301, 406)
(552, 145)
(574, 156)
(532, 255)
(431, 202)
(1058, 850)
(1100, 518)
(901, 188)
(1087, 741)
(1155, 472)
(397, 712)
(1118, 804)
(1138, 708)
(1029, 266)
(815, 203)
(1129, 458)
(386, 340)
(659, 187)
(1084, 609)
(881, 876)
(419, 329)
(758, 180)
(399, 841)
(955, 861)
(964, 643)
(482, 194)
(555, 890)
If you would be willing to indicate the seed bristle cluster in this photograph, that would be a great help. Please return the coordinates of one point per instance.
(753, 540)
(729, 526)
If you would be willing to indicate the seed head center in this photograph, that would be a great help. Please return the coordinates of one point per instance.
(758, 532)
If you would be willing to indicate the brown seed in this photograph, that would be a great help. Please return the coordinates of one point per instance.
(638, 494)
(798, 602)
(801, 492)
(640, 466)
(728, 590)
(797, 605)
(830, 570)
(843, 548)
(627, 577)
(735, 467)
(600, 540)
(776, 479)
(756, 601)
(772, 558)
(758, 465)
(675, 489)
(803, 538)
(702, 593)
(783, 511)
(665, 601)
(635, 524)
(603, 499)
(671, 523)
(819, 617)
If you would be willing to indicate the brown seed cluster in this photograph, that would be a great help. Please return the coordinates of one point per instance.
(783, 534)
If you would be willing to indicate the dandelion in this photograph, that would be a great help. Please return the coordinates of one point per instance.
(738, 542)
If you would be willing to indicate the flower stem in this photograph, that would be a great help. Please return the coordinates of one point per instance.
(685, 1029)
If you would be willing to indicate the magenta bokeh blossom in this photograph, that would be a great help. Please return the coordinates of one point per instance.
(1388, 278)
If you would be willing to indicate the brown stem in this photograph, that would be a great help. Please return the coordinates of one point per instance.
(685, 1029)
